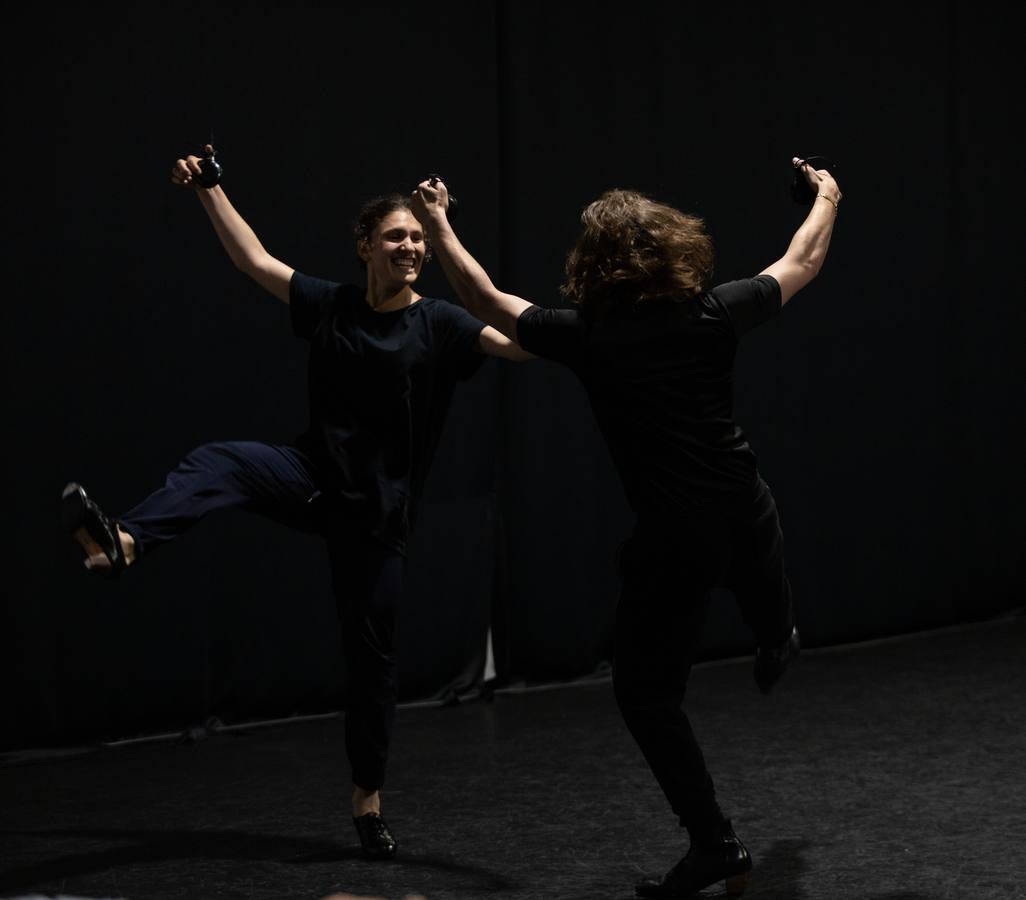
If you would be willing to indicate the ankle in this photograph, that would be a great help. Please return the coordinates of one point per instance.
(710, 835)
(365, 802)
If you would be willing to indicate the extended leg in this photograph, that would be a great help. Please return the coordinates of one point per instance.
(271, 480)
(268, 479)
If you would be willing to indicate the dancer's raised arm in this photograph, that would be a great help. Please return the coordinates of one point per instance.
(475, 289)
(238, 239)
(807, 250)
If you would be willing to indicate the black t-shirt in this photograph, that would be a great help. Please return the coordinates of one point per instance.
(660, 378)
(379, 388)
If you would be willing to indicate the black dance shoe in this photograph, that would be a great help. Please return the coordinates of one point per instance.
(725, 860)
(375, 838)
(772, 662)
(79, 513)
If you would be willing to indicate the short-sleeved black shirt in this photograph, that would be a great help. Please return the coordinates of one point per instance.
(379, 388)
(659, 375)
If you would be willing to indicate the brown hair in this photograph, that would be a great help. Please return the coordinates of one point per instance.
(374, 211)
(635, 249)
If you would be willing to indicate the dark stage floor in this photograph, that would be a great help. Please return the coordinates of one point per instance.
(885, 770)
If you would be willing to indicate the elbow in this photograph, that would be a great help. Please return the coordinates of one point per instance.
(809, 268)
(472, 301)
(249, 264)
(475, 301)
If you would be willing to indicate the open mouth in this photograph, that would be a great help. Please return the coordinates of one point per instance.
(404, 262)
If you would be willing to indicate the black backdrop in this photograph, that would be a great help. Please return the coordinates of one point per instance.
(886, 403)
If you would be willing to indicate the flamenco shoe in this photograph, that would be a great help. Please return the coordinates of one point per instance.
(376, 839)
(92, 529)
(725, 860)
(772, 662)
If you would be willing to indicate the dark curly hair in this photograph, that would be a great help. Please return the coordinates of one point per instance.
(373, 212)
(633, 249)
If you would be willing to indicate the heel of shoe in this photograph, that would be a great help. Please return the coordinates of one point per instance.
(72, 507)
(736, 884)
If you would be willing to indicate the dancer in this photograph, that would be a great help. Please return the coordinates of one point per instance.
(382, 367)
(654, 347)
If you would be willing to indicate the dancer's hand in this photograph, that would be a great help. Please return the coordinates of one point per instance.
(820, 180)
(184, 171)
(430, 202)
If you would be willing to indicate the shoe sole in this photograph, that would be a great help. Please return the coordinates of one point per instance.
(735, 886)
(76, 520)
(379, 857)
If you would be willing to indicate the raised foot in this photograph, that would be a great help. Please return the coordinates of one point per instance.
(772, 662)
(106, 549)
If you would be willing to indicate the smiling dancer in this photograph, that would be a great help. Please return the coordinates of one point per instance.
(383, 364)
(654, 346)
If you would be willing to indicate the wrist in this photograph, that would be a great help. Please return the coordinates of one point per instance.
(436, 224)
(831, 200)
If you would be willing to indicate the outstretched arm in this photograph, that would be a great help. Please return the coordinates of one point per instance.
(239, 240)
(494, 343)
(482, 299)
(804, 257)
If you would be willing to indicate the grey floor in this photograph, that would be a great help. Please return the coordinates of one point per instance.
(883, 771)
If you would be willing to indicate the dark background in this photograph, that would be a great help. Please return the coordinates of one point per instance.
(886, 403)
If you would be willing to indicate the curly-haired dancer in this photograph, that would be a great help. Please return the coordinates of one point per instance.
(383, 365)
(654, 346)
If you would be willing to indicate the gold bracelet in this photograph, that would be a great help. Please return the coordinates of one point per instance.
(828, 200)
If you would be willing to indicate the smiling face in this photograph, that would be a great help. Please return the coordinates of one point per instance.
(395, 250)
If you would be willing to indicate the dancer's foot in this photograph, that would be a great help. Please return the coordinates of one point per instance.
(376, 839)
(723, 860)
(772, 662)
(107, 549)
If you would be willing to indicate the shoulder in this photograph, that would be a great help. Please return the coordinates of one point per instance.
(307, 287)
(313, 301)
(442, 311)
(747, 302)
(446, 323)
(550, 318)
(746, 289)
(551, 333)
(431, 305)
(438, 306)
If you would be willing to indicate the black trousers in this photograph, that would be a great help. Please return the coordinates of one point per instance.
(668, 570)
(277, 482)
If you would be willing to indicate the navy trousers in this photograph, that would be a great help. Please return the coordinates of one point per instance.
(668, 572)
(366, 576)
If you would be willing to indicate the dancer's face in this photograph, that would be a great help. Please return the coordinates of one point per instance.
(394, 252)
